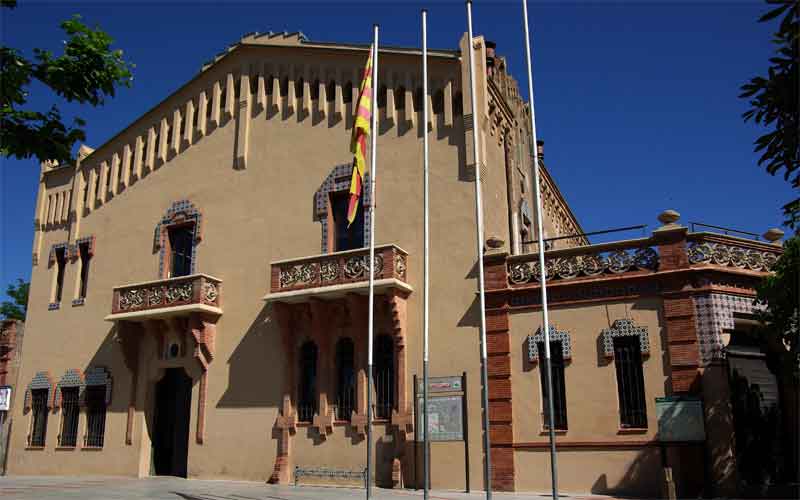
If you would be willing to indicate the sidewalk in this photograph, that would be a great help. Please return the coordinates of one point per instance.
(169, 488)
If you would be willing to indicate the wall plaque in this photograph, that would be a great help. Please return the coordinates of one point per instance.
(445, 418)
(680, 419)
(5, 398)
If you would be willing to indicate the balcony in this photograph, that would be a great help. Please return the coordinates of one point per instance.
(629, 257)
(336, 274)
(166, 298)
(707, 249)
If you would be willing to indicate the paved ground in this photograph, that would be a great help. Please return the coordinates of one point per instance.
(163, 488)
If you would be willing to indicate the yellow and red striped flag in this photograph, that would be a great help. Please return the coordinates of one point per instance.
(358, 142)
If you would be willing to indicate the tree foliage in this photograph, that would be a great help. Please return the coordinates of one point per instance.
(18, 307)
(780, 293)
(87, 72)
(773, 101)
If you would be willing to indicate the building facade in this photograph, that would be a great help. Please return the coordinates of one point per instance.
(198, 306)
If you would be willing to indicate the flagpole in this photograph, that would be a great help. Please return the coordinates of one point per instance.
(543, 282)
(372, 178)
(487, 463)
(426, 276)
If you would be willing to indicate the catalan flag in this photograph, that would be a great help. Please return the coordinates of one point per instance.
(358, 142)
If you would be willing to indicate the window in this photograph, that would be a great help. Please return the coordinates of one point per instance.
(39, 415)
(559, 390)
(400, 98)
(347, 238)
(345, 379)
(630, 382)
(307, 391)
(384, 376)
(95, 415)
(418, 99)
(61, 263)
(347, 92)
(180, 250)
(83, 248)
(330, 92)
(97, 182)
(69, 417)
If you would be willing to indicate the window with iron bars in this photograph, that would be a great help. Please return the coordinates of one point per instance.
(39, 415)
(95, 416)
(630, 382)
(345, 379)
(384, 377)
(559, 386)
(70, 411)
(307, 389)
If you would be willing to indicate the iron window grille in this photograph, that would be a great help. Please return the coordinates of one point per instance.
(345, 376)
(630, 382)
(384, 377)
(559, 386)
(39, 413)
(70, 410)
(307, 391)
(95, 416)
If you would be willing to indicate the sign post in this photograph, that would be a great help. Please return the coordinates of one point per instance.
(680, 420)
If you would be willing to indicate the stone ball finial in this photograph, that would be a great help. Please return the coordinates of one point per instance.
(668, 217)
(773, 235)
(494, 242)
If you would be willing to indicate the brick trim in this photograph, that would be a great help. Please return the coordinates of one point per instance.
(501, 410)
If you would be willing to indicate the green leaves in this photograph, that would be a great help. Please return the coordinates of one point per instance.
(774, 101)
(87, 72)
(780, 293)
(19, 307)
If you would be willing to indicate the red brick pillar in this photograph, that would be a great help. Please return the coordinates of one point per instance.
(498, 348)
(679, 311)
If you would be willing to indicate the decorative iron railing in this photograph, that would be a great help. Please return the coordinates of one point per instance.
(338, 268)
(583, 262)
(730, 251)
(194, 289)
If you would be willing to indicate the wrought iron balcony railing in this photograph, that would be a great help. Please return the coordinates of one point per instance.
(164, 297)
(340, 268)
(616, 258)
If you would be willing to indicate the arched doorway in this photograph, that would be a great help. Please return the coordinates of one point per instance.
(171, 423)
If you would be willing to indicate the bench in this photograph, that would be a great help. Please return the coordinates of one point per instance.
(331, 476)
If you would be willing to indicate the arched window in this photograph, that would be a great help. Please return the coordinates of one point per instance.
(384, 376)
(307, 389)
(298, 87)
(345, 379)
(315, 90)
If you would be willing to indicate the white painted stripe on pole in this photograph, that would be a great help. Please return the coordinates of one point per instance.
(371, 318)
(426, 245)
(540, 241)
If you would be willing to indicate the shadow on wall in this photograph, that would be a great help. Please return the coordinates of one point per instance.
(109, 355)
(256, 367)
(643, 477)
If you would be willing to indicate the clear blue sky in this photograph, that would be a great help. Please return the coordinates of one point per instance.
(636, 102)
